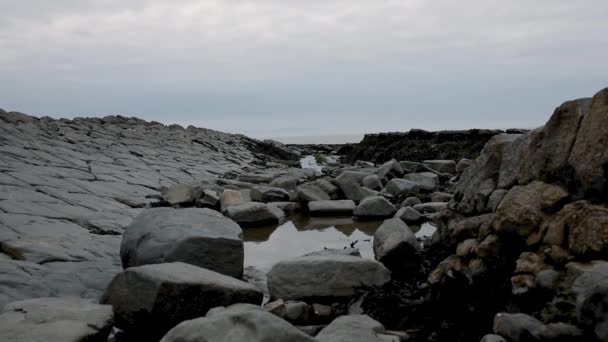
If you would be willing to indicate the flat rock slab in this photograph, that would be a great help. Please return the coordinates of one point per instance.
(55, 319)
(236, 324)
(152, 299)
(337, 207)
(201, 237)
(426, 180)
(326, 277)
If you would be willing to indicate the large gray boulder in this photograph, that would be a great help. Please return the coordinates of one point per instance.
(254, 213)
(236, 324)
(398, 187)
(426, 180)
(372, 182)
(353, 328)
(390, 169)
(152, 299)
(374, 207)
(396, 246)
(55, 319)
(408, 215)
(334, 276)
(200, 237)
(338, 207)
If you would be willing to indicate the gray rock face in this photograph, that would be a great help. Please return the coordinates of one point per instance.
(397, 187)
(426, 180)
(493, 338)
(235, 324)
(396, 246)
(374, 207)
(200, 237)
(55, 319)
(254, 213)
(338, 207)
(352, 328)
(430, 207)
(518, 327)
(309, 192)
(151, 299)
(324, 276)
(441, 166)
(463, 164)
(410, 202)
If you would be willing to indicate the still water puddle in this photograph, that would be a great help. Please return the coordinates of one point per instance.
(299, 235)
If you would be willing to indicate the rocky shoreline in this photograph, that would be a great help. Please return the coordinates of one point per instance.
(123, 230)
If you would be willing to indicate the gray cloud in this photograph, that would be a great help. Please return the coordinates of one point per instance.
(272, 68)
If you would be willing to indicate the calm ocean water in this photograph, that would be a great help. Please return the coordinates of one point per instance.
(321, 139)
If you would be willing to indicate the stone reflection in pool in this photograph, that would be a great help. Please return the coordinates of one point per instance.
(265, 246)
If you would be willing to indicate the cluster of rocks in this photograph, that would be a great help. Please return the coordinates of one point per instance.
(530, 216)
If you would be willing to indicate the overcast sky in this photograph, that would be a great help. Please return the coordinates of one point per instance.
(272, 68)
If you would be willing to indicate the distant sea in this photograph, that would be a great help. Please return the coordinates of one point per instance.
(321, 139)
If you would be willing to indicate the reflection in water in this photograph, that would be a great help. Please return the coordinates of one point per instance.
(265, 246)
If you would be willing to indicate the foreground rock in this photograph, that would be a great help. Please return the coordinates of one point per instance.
(354, 328)
(152, 299)
(338, 207)
(235, 324)
(326, 277)
(195, 236)
(396, 246)
(55, 319)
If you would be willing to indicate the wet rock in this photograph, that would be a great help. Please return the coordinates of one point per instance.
(372, 182)
(194, 236)
(322, 313)
(374, 207)
(469, 227)
(408, 215)
(441, 166)
(352, 328)
(152, 299)
(426, 180)
(396, 246)
(397, 187)
(235, 324)
(55, 319)
(269, 194)
(324, 276)
(337, 207)
(489, 247)
(297, 312)
(254, 214)
(467, 247)
(309, 192)
(547, 279)
(410, 202)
